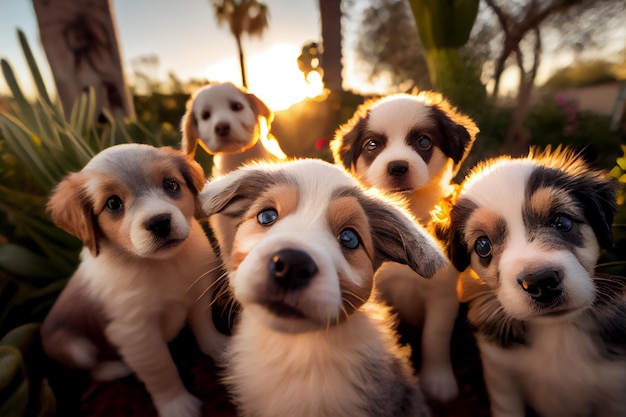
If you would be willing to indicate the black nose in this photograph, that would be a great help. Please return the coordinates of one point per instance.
(160, 225)
(544, 286)
(397, 168)
(222, 129)
(292, 269)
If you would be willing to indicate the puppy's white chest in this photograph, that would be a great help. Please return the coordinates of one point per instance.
(561, 373)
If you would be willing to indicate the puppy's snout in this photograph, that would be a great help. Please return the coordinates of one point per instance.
(544, 286)
(222, 129)
(160, 225)
(292, 269)
(397, 168)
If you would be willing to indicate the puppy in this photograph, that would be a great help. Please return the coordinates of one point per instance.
(301, 243)
(231, 124)
(144, 268)
(413, 144)
(550, 330)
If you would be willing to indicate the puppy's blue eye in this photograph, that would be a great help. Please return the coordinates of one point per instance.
(114, 203)
(424, 142)
(267, 217)
(171, 185)
(562, 223)
(206, 115)
(349, 239)
(482, 247)
(236, 106)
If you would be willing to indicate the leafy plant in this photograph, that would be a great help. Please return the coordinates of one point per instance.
(38, 147)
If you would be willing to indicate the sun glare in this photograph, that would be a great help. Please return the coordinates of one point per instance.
(273, 75)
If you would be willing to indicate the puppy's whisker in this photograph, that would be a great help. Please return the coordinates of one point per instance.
(346, 301)
(197, 280)
(210, 287)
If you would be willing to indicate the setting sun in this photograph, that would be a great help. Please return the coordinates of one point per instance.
(273, 75)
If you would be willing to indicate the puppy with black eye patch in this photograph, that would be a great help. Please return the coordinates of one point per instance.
(413, 145)
(551, 331)
(301, 241)
(230, 123)
(146, 270)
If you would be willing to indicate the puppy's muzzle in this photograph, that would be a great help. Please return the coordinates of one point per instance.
(160, 225)
(397, 168)
(292, 269)
(543, 286)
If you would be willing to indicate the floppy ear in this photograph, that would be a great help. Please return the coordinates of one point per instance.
(189, 130)
(71, 209)
(260, 108)
(398, 237)
(598, 194)
(458, 129)
(345, 144)
(456, 248)
(192, 172)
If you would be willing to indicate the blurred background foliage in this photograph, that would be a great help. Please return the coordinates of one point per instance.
(40, 143)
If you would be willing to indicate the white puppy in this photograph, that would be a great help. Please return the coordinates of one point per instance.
(301, 241)
(413, 144)
(144, 268)
(231, 124)
(551, 331)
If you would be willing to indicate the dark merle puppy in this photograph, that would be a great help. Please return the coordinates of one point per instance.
(551, 331)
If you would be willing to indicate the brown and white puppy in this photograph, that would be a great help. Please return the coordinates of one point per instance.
(144, 271)
(231, 124)
(413, 144)
(551, 331)
(301, 242)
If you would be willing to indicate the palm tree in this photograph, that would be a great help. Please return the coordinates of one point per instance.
(243, 16)
(330, 13)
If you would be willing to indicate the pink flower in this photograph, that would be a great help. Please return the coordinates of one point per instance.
(321, 143)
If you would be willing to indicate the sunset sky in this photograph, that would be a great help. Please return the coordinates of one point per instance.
(188, 41)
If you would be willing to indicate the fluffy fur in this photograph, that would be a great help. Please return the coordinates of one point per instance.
(231, 124)
(413, 144)
(144, 270)
(551, 332)
(301, 241)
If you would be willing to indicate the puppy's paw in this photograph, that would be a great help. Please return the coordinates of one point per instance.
(183, 405)
(110, 370)
(439, 384)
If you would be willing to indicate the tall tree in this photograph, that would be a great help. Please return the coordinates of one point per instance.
(388, 50)
(81, 42)
(330, 15)
(243, 17)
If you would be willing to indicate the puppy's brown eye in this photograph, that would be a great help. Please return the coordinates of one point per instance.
(562, 223)
(206, 115)
(370, 145)
(171, 186)
(349, 239)
(114, 203)
(424, 142)
(482, 247)
(236, 106)
(267, 217)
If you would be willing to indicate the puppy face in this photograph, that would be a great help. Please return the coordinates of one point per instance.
(132, 199)
(225, 118)
(532, 229)
(301, 241)
(402, 142)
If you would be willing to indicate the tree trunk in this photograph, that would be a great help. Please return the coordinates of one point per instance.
(242, 62)
(81, 42)
(330, 12)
